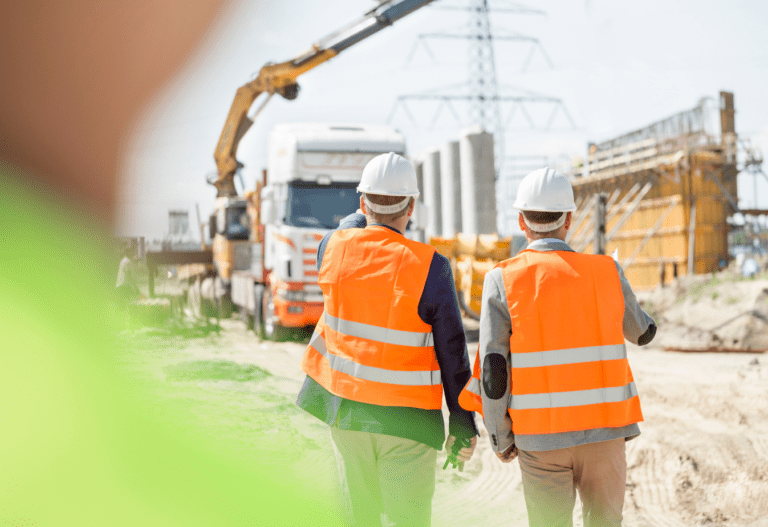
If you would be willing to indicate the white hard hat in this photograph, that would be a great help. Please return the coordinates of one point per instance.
(389, 175)
(545, 190)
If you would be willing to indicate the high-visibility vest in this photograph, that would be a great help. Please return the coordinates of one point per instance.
(370, 345)
(569, 368)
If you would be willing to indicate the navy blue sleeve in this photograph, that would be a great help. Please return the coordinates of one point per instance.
(439, 308)
(353, 221)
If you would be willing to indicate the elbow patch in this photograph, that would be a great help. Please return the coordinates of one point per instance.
(495, 376)
(647, 337)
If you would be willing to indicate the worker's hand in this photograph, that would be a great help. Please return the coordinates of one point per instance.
(508, 455)
(465, 454)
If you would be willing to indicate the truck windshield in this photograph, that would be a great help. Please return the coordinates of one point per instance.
(320, 206)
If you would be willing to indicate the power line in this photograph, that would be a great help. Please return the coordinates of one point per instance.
(481, 91)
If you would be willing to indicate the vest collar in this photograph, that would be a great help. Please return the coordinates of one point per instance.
(385, 226)
(549, 244)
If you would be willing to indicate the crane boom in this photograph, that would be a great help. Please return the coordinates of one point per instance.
(281, 78)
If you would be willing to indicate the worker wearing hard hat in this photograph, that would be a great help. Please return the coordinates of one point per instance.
(389, 344)
(551, 377)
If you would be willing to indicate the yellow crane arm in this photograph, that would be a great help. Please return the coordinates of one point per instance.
(281, 78)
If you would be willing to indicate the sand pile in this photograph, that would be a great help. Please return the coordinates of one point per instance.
(713, 312)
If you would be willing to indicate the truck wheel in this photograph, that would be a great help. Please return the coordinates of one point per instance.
(272, 329)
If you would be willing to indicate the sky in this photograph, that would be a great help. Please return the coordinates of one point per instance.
(617, 66)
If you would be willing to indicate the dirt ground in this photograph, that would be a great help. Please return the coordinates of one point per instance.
(702, 457)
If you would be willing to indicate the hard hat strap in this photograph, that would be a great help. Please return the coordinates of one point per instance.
(545, 227)
(386, 209)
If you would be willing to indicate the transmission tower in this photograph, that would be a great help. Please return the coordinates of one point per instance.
(485, 108)
(482, 91)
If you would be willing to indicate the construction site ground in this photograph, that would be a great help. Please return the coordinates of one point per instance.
(702, 457)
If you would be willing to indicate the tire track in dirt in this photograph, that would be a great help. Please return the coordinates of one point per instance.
(759, 444)
(486, 491)
(651, 491)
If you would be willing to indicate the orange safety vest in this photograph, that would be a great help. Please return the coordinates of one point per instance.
(370, 345)
(569, 369)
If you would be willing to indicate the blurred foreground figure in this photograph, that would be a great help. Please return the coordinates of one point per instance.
(81, 443)
(551, 377)
(125, 285)
(389, 344)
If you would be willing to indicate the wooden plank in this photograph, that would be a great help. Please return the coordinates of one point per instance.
(645, 143)
(629, 211)
(616, 208)
(628, 261)
(659, 202)
(612, 199)
(640, 233)
(713, 177)
(692, 237)
(639, 262)
(581, 215)
(178, 257)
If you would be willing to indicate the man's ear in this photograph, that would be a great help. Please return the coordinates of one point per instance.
(362, 205)
(411, 207)
(521, 222)
(567, 223)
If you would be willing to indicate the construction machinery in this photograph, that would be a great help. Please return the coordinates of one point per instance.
(300, 174)
(313, 172)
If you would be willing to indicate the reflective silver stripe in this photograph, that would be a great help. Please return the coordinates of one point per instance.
(537, 359)
(575, 398)
(370, 373)
(473, 386)
(378, 333)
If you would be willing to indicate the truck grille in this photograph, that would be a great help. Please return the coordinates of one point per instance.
(309, 256)
(313, 293)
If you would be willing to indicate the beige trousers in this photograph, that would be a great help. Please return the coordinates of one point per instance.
(385, 480)
(551, 478)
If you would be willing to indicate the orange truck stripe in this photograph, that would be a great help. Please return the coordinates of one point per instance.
(284, 239)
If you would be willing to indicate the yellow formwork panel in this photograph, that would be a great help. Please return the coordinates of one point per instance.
(443, 245)
(482, 246)
(472, 275)
(668, 247)
(472, 256)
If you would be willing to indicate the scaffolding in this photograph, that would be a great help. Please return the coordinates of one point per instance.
(667, 192)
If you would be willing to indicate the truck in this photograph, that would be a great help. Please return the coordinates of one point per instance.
(301, 182)
(309, 187)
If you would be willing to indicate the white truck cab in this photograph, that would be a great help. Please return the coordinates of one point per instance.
(312, 177)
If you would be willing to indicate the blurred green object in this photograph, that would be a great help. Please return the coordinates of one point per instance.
(80, 444)
(452, 458)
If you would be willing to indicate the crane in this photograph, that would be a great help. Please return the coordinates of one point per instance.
(281, 78)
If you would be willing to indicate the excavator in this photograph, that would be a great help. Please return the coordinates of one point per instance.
(240, 231)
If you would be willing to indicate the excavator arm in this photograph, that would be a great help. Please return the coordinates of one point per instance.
(281, 78)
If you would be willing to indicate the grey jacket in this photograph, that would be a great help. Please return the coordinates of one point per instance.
(495, 331)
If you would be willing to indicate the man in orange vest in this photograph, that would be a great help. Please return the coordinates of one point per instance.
(551, 377)
(389, 344)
